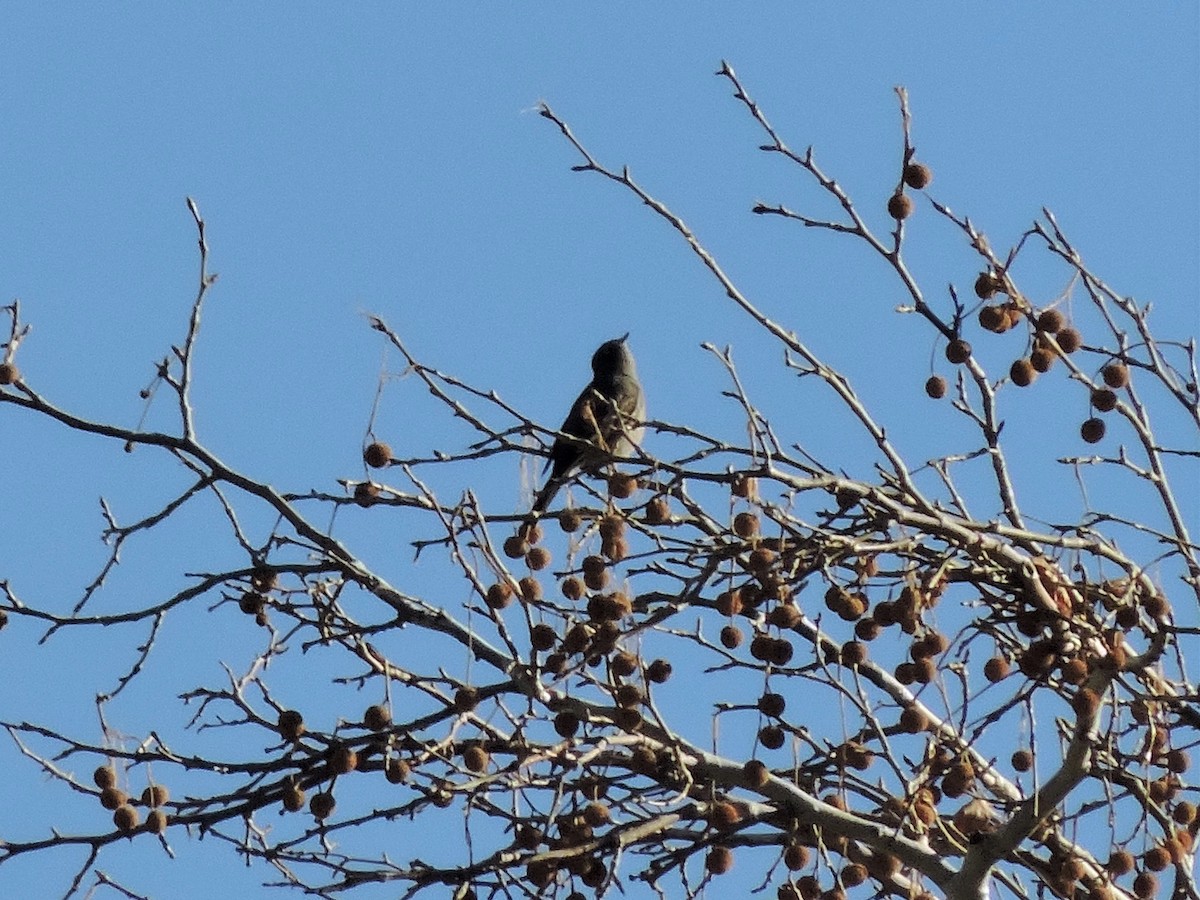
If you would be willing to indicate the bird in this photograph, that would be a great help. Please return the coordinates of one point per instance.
(608, 413)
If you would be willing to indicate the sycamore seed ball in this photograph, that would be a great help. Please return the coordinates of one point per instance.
(935, 387)
(377, 455)
(9, 373)
(1022, 372)
(1115, 375)
(155, 795)
(322, 805)
(1092, 430)
(104, 776)
(377, 717)
(126, 818)
(156, 821)
(899, 206)
(293, 798)
(958, 351)
(917, 176)
(1069, 340)
(291, 725)
(1050, 321)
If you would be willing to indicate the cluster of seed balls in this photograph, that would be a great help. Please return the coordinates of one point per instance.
(1052, 336)
(124, 807)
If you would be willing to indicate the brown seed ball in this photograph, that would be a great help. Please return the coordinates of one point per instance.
(377, 455)
(1157, 607)
(743, 485)
(1022, 760)
(854, 874)
(1075, 671)
(784, 616)
(530, 588)
(731, 637)
(542, 637)
(126, 818)
(745, 524)
(156, 821)
(570, 520)
(1120, 862)
(343, 760)
(1042, 360)
(112, 797)
(322, 805)
(377, 717)
(622, 486)
(290, 725)
(1178, 761)
(658, 511)
(105, 776)
(9, 373)
(499, 595)
(795, 857)
(616, 549)
(595, 572)
(1022, 373)
(572, 588)
(1092, 430)
(1069, 340)
(993, 318)
(719, 860)
(913, 720)
(906, 673)
(293, 798)
(986, 285)
(729, 603)
(1115, 375)
(466, 699)
(1156, 859)
(566, 723)
(475, 758)
(1103, 400)
(365, 493)
(853, 653)
(958, 351)
(155, 795)
(867, 629)
(1085, 702)
(723, 814)
(756, 773)
(252, 603)
(780, 652)
(917, 176)
(623, 664)
(761, 559)
(537, 558)
(1050, 321)
(396, 770)
(612, 527)
(771, 737)
(628, 696)
(1184, 812)
(770, 704)
(1145, 885)
(515, 546)
(899, 206)
(659, 671)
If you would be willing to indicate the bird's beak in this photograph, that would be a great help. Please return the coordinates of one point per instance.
(623, 338)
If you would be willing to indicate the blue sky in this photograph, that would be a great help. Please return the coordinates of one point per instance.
(388, 158)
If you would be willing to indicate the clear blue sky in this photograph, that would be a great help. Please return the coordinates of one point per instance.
(389, 158)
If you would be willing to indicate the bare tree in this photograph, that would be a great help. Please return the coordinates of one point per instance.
(904, 681)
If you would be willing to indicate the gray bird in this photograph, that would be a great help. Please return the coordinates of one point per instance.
(608, 413)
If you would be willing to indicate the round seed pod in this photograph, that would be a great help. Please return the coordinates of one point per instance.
(628, 696)
(987, 285)
(795, 856)
(475, 758)
(853, 875)
(595, 572)
(343, 760)
(1103, 400)
(252, 603)
(537, 558)
(1156, 859)
(1022, 760)
(542, 637)
(1022, 372)
(1184, 812)
(112, 797)
(566, 724)
(1145, 885)
(745, 524)
(126, 818)
(935, 387)
(784, 616)
(913, 720)
(290, 725)
(1069, 340)
(1092, 430)
(515, 546)
(377, 455)
(729, 603)
(1178, 761)
(756, 773)
(658, 511)
(780, 652)
(596, 814)
(719, 860)
(530, 588)
(853, 653)
(365, 493)
(1115, 375)
(744, 485)
(466, 698)
(773, 705)
(155, 795)
(659, 671)
(958, 351)
(105, 776)
(1041, 359)
(377, 717)
(397, 770)
(867, 629)
(9, 373)
(569, 520)
(321, 805)
(899, 206)
(993, 318)
(156, 821)
(771, 737)
(293, 798)
(731, 637)
(1120, 862)
(622, 486)
(917, 175)
(724, 814)
(1050, 321)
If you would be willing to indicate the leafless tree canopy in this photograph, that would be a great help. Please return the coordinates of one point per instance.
(901, 681)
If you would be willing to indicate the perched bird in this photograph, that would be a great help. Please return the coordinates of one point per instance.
(608, 414)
